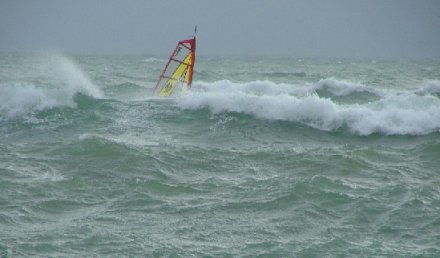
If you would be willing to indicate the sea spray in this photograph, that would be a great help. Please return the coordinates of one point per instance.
(70, 76)
(53, 81)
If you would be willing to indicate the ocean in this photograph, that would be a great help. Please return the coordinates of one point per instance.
(263, 157)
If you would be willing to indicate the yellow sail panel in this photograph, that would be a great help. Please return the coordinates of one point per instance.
(176, 78)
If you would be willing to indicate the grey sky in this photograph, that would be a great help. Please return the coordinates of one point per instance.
(357, 28)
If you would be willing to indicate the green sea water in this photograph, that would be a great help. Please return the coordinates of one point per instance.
(294, 157)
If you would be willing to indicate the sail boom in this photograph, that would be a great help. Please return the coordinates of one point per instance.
(180, 61)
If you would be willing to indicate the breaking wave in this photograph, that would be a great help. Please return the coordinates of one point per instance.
(430, 87)
(343, 88)
(394, 113)
(56, 80)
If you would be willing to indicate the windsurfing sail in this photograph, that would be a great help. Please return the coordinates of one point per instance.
(178, 72)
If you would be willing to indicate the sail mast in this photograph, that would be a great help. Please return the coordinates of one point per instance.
(193, 61)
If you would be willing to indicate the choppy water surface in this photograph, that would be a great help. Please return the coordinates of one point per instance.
(273, 157)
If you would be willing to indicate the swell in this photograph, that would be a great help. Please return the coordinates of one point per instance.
(374, 111)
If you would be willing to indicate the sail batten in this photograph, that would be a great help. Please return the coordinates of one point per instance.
(178, 72)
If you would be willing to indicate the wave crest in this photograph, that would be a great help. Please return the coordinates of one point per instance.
(54, 82)
(343, 88)
(393, 114)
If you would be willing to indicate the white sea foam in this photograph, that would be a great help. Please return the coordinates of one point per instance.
(59, 79)
(254, 87)
(430, 87)
(343, 88)
(265, 87)
(19, 98)
(35, 173)
(127, 139)
(394, 114)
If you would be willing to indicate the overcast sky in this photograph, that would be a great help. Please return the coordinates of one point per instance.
(299, 28)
